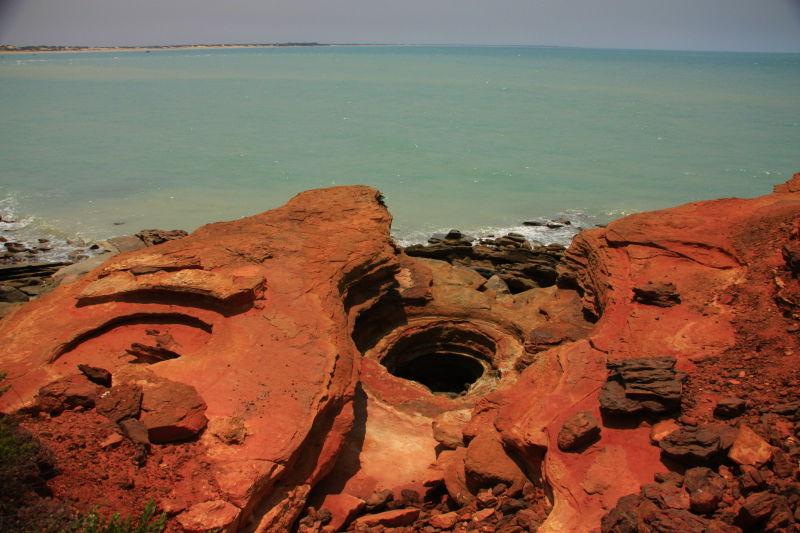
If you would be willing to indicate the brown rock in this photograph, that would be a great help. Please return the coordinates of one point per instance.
(482, 515)
(151, 237)
(172, 411)
(749, 448)
(455, 478)
(111, 440)
(215, 515)
(444, 521)
(120, 402)
(666, 495)
(579, 431)
(729, 407)
(135, 431)
(395, 518)
(68, 393)
(657, 293)
(623, 518)
(705, 489)
(487, 463)
(759, 507)
(662, 429)
(447, 428)
(101, 376)
(343, 508)
(378, 500)
(671, 520)
(692, 445)
(641, 385)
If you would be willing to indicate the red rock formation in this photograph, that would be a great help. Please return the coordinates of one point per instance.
(297, 357)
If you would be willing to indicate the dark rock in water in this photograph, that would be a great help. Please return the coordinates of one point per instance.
(15, 247)
(535, 223)
(101, 376)
(644, 385)
(12, 294)
(152, 237)
(578, 431)
(118, 222)
(729, 407)
(453, 235)
(554, 225)
(657, 293)
(692, 445)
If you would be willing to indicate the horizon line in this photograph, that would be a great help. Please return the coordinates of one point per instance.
(45, 48)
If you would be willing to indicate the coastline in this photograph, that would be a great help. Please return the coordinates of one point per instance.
(27, 50)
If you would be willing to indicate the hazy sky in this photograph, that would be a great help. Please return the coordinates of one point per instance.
(760, 25)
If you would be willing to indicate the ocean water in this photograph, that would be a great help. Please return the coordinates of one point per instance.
(475, 138)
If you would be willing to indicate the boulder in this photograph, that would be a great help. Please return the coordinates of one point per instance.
(172, 411)
(135, 431)
(579, 431)
(447, 428)
(68, 393)
(120, 402)
(623, 518)
(641, 385)
(487, 463)
(729, 407)
(705, 489)
(749, 448)
(760, 507)
(692, 445)
(343, 508)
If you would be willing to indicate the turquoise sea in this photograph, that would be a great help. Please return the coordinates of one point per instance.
(478, 138)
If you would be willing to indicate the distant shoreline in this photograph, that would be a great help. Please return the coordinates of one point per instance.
(10, 49)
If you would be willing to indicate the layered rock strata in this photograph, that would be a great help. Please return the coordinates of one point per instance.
(297, 370)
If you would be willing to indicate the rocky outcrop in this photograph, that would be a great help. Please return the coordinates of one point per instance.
(296, 370)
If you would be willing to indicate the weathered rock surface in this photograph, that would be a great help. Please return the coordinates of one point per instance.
(642, 385)
(301, 330)
(579, 431)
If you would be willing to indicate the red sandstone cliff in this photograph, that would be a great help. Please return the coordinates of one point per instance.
(262, 365)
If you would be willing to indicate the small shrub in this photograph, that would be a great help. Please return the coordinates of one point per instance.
(146, 523)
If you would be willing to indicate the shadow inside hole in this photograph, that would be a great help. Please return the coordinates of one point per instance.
(446, 373)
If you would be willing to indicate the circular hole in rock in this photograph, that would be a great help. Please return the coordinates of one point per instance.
(445, 358)
(446, 373)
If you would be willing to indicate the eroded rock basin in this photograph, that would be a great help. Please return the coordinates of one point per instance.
(296, 370)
